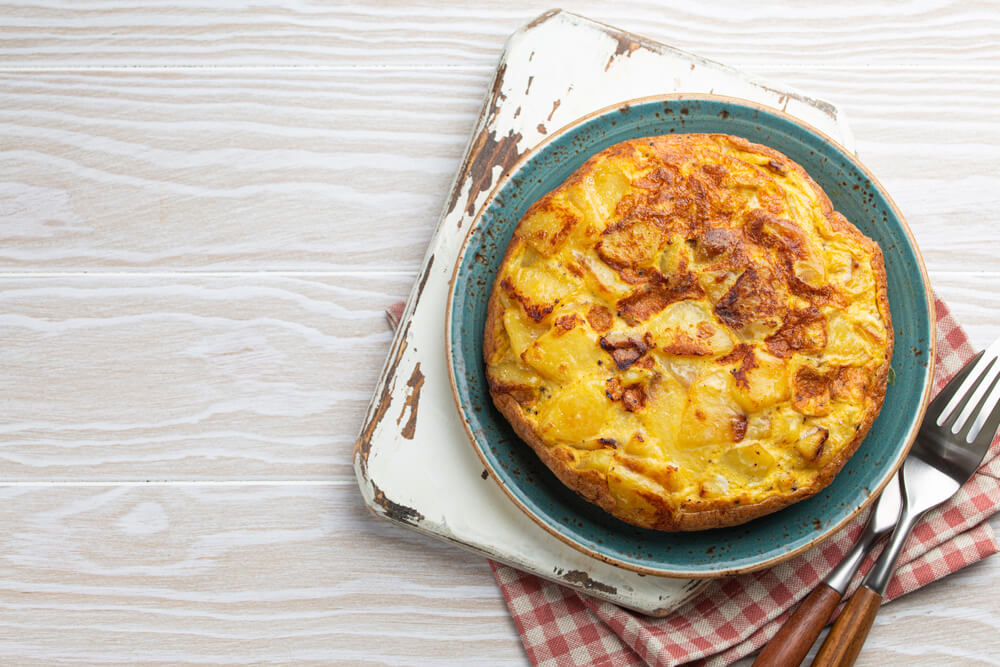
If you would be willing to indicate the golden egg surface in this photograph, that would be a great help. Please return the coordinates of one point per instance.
(688, 334)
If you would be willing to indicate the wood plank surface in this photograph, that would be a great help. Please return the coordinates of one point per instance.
(161, 377)
(92, 32)
(226, 169)
(220, 169)
(235, 574)
(204, 208)
(300, 573)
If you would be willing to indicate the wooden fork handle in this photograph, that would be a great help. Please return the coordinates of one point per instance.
(796, 636)
(848, 634)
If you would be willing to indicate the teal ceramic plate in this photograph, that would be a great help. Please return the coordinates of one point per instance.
(759, 543)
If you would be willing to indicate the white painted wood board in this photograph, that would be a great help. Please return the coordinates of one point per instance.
(414, 463)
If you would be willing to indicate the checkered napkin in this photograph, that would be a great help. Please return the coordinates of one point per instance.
(734, 617)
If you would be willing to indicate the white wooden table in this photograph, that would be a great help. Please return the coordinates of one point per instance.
(204, 208)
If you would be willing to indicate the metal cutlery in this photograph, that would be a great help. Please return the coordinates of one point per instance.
(956, 434)
(793, 641)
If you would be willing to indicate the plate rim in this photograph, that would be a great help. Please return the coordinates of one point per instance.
(726, 571)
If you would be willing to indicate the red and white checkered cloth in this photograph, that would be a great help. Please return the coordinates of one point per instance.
(735, 617)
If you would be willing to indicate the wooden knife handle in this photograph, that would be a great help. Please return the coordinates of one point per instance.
(848, 634)
(796, 636)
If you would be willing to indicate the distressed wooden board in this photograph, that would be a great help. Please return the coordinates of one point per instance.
(854, 32)
(556, 69)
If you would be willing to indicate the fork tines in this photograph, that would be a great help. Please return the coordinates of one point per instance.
(972, 405)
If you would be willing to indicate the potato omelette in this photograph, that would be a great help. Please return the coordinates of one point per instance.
(687, 334)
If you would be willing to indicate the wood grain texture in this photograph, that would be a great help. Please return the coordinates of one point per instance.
(796, 636)
(299, 573)
(227, 574)
(251, 170)
(205, 206)
(48, 33)
(847, 636)
(188, 377)
(226, 170)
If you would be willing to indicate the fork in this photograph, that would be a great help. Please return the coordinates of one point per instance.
(954, 437)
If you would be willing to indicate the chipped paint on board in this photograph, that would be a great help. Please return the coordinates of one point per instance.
(581, 578)
(415, 383)
(539, 20)
(555, 105)
(428, 265)
(627, 45)
(490, 154)
(378, 408)
(489, 149)
(396, 511)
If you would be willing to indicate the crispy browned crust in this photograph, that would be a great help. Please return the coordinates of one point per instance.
(590, 484)
(704, 514)
(492, 322)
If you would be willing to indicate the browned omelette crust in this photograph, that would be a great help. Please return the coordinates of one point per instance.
(752, 250)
